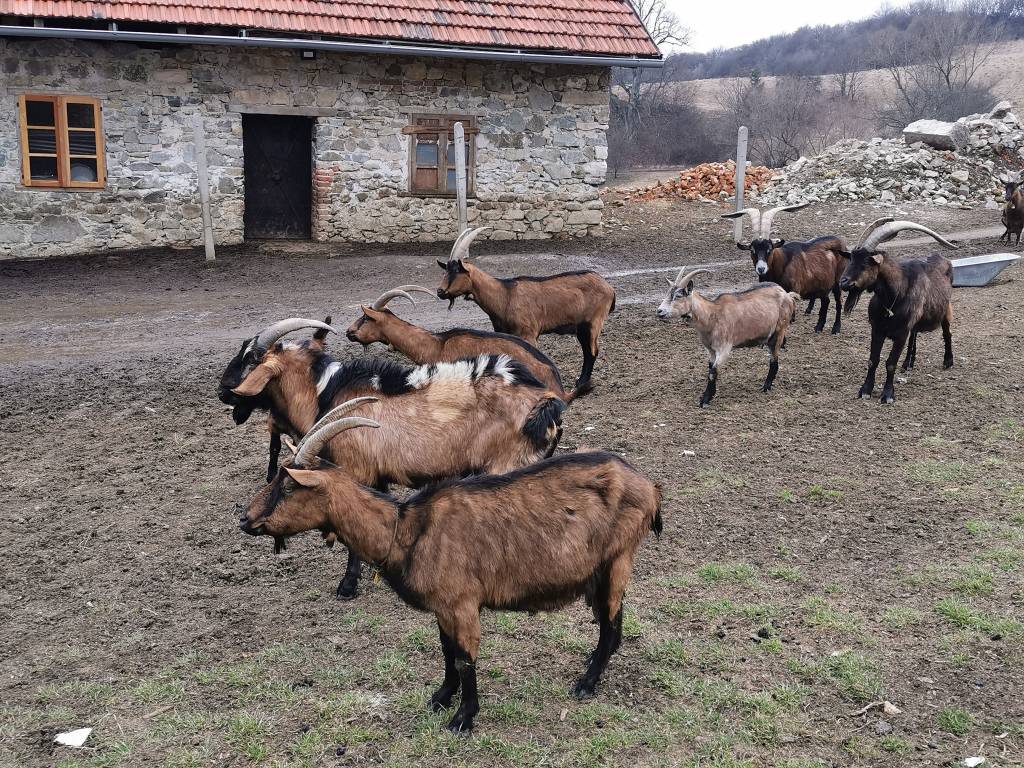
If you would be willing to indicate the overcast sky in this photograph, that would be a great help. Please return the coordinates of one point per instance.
(728, 23)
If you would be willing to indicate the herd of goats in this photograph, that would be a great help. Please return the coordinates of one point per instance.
(498, 521)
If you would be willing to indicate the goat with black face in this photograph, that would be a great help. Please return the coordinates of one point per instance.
(534, 539)
(249, 356)
(910, 297)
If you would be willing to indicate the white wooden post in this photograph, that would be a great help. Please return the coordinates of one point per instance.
(204, 188)
(460, 176)
(741, 179)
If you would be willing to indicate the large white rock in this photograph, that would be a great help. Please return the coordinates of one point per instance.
(1000, 110)
(937, 134)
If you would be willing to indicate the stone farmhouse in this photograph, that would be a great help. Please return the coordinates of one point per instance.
(318, 119)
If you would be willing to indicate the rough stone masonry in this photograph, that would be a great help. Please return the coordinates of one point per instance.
(541, 150)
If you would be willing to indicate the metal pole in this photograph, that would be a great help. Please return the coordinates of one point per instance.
(460, 176)
(741, 179)
(204, 188)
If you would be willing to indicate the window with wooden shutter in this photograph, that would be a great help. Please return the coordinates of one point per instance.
(62, 142)
(432, 154)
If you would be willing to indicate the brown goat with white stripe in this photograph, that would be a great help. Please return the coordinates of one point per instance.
(568, 303)
(756, 317)
(531, 540)
(486, 414)
(811, 269)
(380, 324)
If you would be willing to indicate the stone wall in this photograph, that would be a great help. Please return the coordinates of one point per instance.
(541, 149)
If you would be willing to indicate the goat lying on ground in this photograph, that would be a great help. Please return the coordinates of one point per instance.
(380, 324)
(811, 269)
(758, 316)
(486, 414)
(910, 296)
(249, 356)
(570, 303)
(1013, 210)
(531, 540)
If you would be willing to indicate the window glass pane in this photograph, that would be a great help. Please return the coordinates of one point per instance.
(451, 154)
(42, 142)
(426, 153)
(39, 112)
(84, 170)
(82, 142)
(451, 180)
(43, 168)
(81, 116)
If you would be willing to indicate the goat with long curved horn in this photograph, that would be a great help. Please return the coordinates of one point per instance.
(769, 216)
(753, 213)
(269, 335)
(889, 230)
(684, 277)
(314, 442)
(872, 227)
(460, 251)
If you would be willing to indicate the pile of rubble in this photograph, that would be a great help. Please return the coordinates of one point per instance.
(954, 164)
(709, 181)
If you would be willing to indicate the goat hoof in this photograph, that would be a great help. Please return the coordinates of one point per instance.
(836, 330)
(347, 590)
(819, 329)
(888, 399)
(584, 690)
(440, 702)
(947, 364)
(461, 723)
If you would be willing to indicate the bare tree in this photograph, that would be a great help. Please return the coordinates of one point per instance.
(849, 77)
(936, 65)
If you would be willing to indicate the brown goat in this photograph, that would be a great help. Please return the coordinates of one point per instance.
(811, 269)
(910, 296)
(757, 317)
(380, 324)
(486, 414)
(569, 303)
(531, 540)
(1013, 211)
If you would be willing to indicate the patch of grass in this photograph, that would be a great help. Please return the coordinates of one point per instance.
(671, 652)
(733, 573)
(956, 721)
(977, 527)
(507, 623)
(937, 473)
(821, 494)
(392, 669)
(597, 715)
(247, 734)
(421, 639)
(76, 690)
(1010, 429)
(162, 691)
(788, 496)
(972, 580)
(713, 609)
(896, 745)
(820, 615)
(594, 750)
(513, 712)
(570, 640)
(962, 614)
(668, 681)
(786, 573)
(1005, 559)
(855, 675)
(632, 627)
(900, 618)
(772, 645)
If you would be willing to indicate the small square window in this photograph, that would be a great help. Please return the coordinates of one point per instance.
(62, 142)
(432, 154)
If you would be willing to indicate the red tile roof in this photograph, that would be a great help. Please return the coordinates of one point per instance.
(606, 27)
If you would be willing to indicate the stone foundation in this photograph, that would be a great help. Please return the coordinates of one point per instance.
(540, 154)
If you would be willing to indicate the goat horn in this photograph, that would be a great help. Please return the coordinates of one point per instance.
(287, 442)
(340, 410)
(270, 334)
(871, 228)
(769, 216)
(458, 241)
(753, 213)
(461, 249)
(387, 296)
(314, 442)
(419, 288)
(682, 279)
(888, 231)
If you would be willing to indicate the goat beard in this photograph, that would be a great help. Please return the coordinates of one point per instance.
(852, 297)
(280, 544)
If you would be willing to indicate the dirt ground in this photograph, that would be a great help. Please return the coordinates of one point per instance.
(821, 554)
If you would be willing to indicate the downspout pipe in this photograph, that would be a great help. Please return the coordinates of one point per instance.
(337, 46)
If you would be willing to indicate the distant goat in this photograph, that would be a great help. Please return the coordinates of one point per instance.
(1013, 210)
(569, 303)
(910, 296)
(531, 540)
(248, 357)
(485, 414)
(811, 269)
(758, 316)
(380, 324)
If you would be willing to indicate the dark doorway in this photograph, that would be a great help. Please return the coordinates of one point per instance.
(278, 165)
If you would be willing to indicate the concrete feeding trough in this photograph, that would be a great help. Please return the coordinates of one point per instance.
(975, 271)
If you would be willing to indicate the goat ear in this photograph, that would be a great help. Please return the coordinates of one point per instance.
(442, 264)
(370, 312)
(689, 287)
(320, 334)
(779, 242)
(307, 478)
(877, 258)
(845, 254)
(254, 383)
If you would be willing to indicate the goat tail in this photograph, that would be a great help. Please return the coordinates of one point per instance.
(543, 425)
(613, 302)
(656, 522)
(796, 300)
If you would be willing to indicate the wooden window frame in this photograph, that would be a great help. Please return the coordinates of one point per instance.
(417, 129)
(63, 132)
